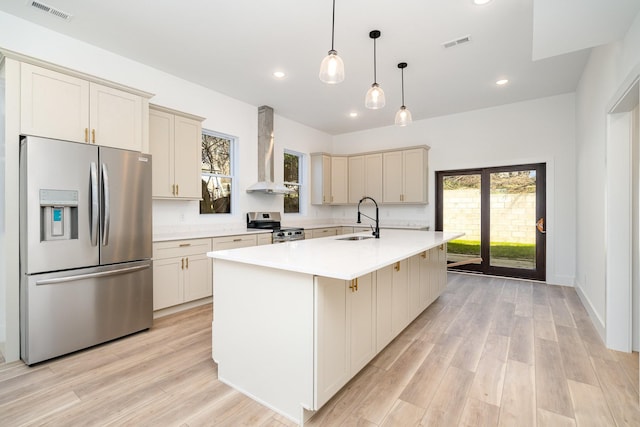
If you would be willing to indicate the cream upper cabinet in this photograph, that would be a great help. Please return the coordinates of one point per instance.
(61, 106)
(175, 142)
(339, 180)
(115, 118)
(320, 179)
(405, 176)
(365, 177)
(356, 179)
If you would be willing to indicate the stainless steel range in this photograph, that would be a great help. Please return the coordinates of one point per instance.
(271, 221)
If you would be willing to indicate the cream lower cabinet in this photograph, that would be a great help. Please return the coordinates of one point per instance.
(264, 239)
(175, 142)
(61, 106)
(181, 272)
(392, 302)
(324, 232)
(234, 242)
(345, 331)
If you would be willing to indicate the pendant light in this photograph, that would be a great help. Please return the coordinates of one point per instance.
(332, 67)
(403, 116)
(375, 95)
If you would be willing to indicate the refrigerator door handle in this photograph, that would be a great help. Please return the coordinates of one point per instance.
(91, 275)
(95, 205)
(106, 205)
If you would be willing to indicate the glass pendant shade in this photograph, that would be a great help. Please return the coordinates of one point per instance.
(332, 68)
(375, 97)
(403, 116)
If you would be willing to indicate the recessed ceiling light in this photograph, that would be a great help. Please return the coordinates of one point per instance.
(502, 82)
(279, 74)
(353, 114)
(481, 2)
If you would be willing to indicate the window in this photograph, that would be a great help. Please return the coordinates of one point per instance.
(217, 172)
(292, 163)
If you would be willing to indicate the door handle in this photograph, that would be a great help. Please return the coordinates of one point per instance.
(106, 205)
(540, 226)
(95, 205)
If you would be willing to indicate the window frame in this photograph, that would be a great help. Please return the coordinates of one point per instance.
(233, 140)
(299, 184)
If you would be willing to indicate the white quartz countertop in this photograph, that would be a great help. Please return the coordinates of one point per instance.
(203, 234)
(340, 259)
(200, 234)
(364, 224)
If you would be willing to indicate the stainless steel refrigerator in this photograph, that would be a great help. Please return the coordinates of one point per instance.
(85, 246)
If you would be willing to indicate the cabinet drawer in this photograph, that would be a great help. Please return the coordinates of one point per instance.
(324, 232)
(234, 242)
(180, 248)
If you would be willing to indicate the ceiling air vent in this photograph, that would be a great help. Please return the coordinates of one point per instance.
(50, 9)
(456, 42)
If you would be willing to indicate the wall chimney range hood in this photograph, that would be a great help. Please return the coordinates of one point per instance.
(265, 182)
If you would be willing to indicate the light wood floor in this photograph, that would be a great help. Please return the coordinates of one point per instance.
(488, 352)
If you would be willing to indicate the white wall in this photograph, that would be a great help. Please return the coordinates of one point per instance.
(606, 70)
(538, 131)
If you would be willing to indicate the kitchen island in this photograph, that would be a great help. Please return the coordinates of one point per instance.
(294, 322)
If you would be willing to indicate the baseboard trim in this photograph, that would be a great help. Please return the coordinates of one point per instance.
(182, 307)
(593, 315)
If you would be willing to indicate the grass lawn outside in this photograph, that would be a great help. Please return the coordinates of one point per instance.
(503, 250)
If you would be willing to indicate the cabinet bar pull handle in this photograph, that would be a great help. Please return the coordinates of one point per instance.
(185, 245)
(187, 263)
(173, 189)
(351, 285)
(182, 266)
(93, 136)
(356, 284)
(397, 266)
(86, 134)
(177, 189)
(237, 240)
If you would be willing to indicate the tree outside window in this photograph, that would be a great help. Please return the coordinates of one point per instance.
(292, 181)
(217, 173)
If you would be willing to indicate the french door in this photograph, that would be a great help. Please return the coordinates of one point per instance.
(502, 212)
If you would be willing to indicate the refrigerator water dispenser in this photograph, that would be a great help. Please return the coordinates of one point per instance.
(58, 215)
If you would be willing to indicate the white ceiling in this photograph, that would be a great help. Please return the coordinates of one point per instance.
(234, 46)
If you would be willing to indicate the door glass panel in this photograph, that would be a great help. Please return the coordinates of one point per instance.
(513, 219)
(461, 213)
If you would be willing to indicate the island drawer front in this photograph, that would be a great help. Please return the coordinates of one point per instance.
(180, 248)
(234, 242)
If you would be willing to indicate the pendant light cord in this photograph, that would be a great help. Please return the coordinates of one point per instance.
(375, 80)
(402, 70)
(333, 22)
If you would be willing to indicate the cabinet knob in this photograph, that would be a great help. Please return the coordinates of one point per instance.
(424, 254)
(396, 267)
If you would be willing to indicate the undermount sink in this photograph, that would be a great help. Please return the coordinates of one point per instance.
(356, 238)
